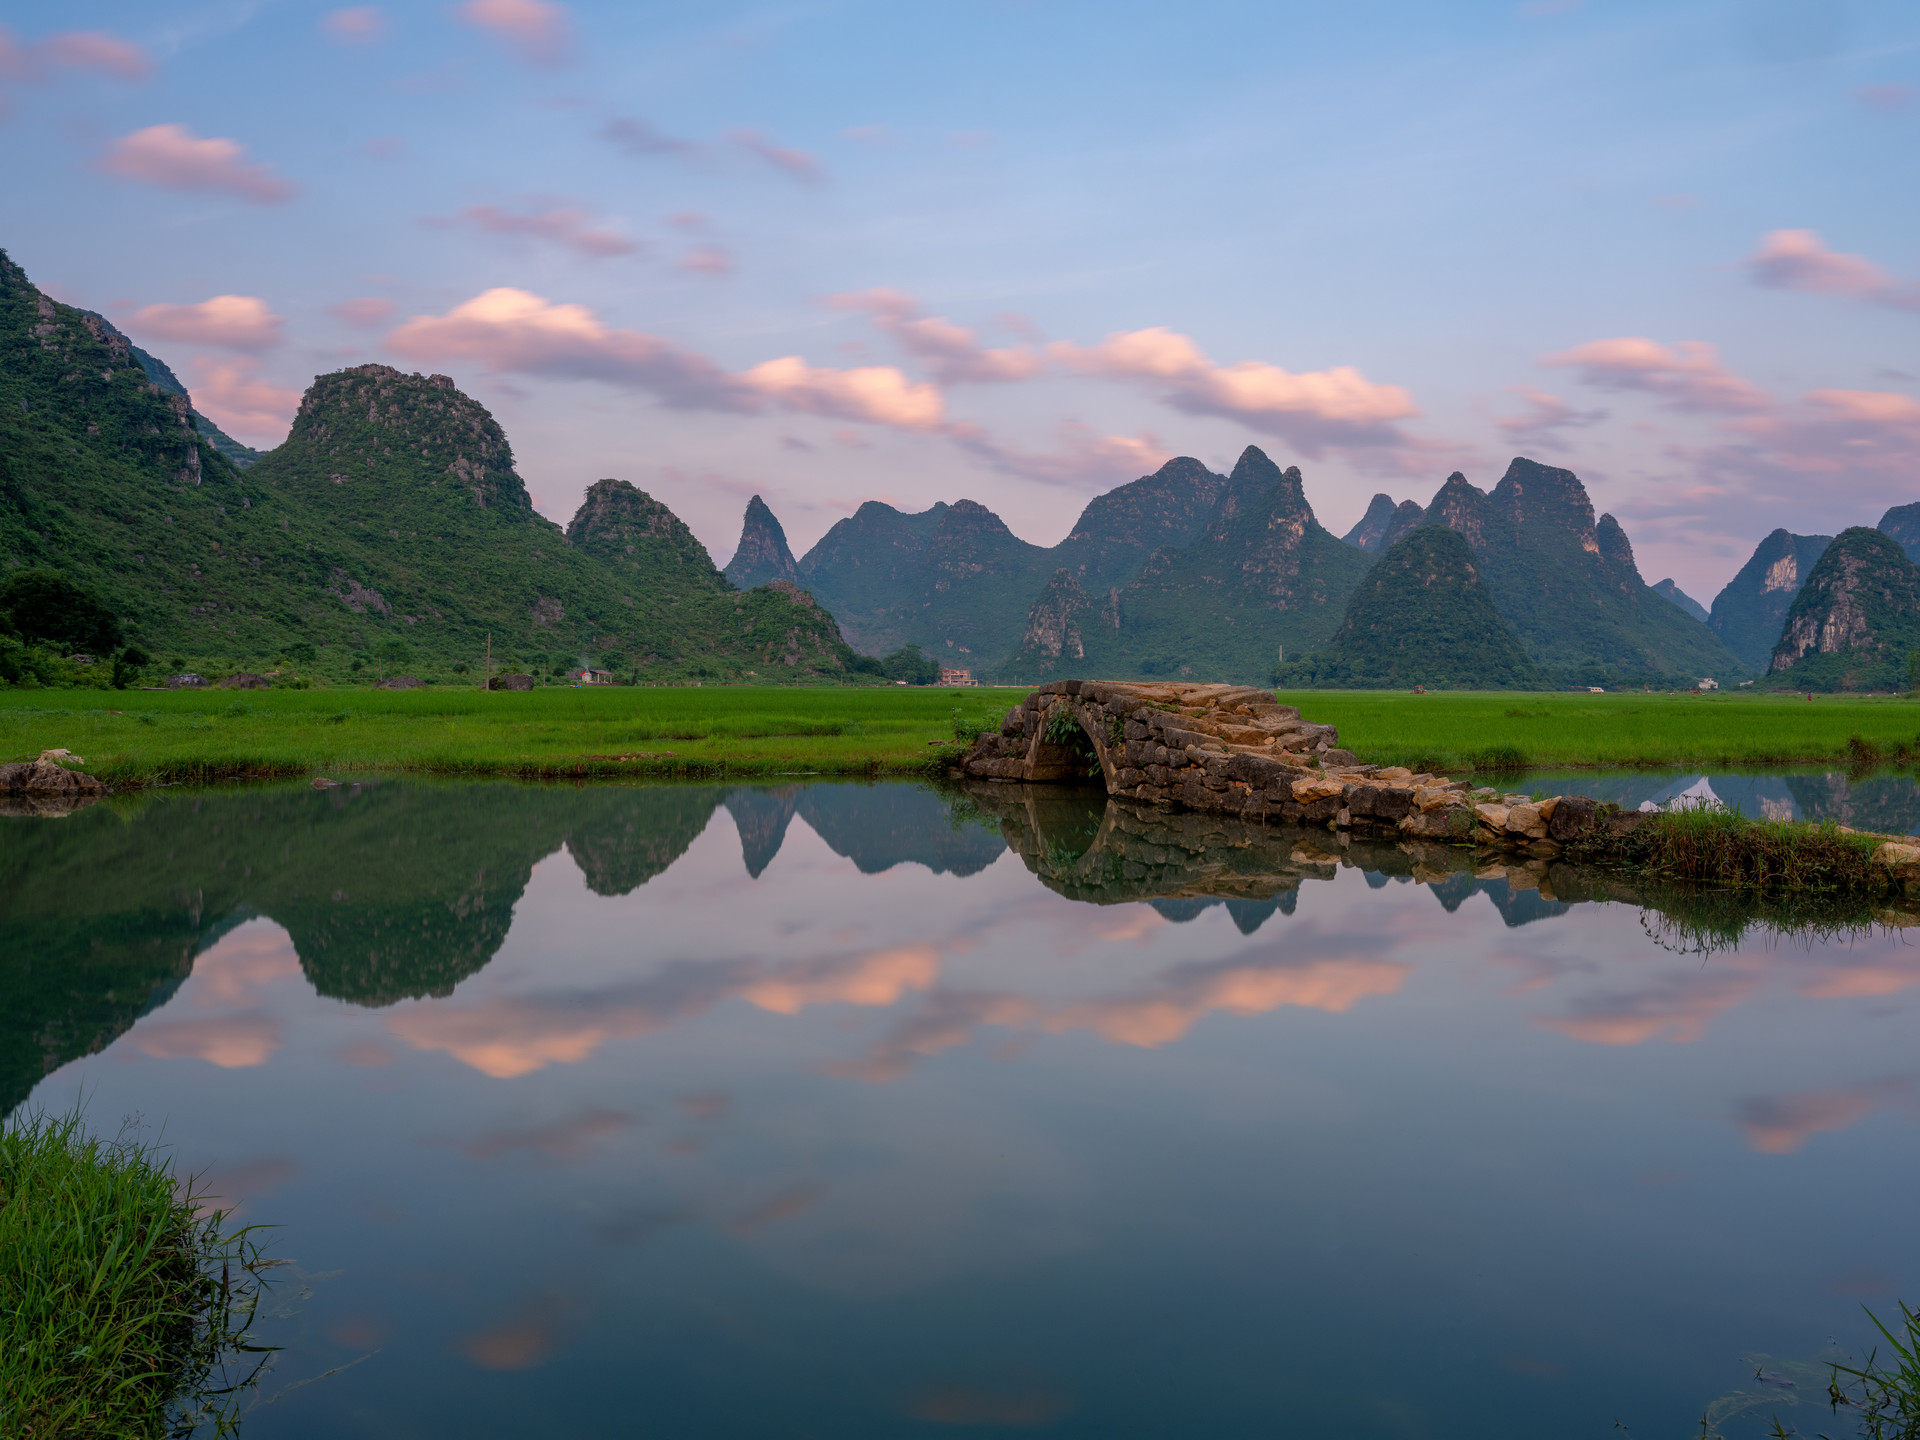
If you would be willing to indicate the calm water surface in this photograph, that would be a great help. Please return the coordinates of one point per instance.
(850, 1110)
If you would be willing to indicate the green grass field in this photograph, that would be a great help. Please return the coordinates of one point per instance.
(133, 736)
(1456, 731)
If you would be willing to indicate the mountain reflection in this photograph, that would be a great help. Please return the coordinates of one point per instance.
(392, 892)
(388, 891)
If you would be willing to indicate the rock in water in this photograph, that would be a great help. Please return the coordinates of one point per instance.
(1748, 613)
(762, 555)
(46, 786)
(1421, 617)
(1855, 621)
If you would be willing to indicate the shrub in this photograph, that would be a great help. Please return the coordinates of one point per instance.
(46, 607)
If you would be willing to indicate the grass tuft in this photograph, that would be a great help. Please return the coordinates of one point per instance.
(127, 1305)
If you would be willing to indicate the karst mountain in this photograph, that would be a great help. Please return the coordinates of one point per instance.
(390, 522)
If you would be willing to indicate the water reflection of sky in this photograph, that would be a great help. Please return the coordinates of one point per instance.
(853, 1148)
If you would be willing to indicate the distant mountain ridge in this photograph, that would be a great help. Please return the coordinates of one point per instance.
(1749, 611)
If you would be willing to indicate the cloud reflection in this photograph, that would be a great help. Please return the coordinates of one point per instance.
(1781, 1124)
(508, 1036)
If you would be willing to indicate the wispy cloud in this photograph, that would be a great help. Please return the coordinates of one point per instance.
(356, 25)
(97, 50)
(1311, 410)
(567, 225)
(1800, 260)
(951, 352)
(513, 331)
(706, 260)
(1687, 376)
(229, 322)
(1084, 457)
(538, 32)
(1543, 419)
(798, 164)
(366, 310)
(637, 137)
(174, 158)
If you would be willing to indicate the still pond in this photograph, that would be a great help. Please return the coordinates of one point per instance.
(867, 1110)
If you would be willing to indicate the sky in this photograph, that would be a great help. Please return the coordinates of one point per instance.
(1022, 251)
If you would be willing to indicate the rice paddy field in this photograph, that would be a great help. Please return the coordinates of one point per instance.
(1460, 731)
(132, 737)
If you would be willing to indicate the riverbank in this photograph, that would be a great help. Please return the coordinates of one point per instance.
(124, 1299)
(132, 737)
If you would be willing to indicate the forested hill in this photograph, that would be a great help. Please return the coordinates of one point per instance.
(389, 527)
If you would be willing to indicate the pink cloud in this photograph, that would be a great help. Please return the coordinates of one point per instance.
(231, 322)
(228, 392)
(1084, 457)
(707, 260)
(539, 33)
(1800, 260)
(356, 25)
(508, 330)
(1687, 376)
(73, 50)
(368, 310)
(174, 158)
(97, 50)
(797, 163)
(1885, 99)
(952, 352)
(1311, 410)
(565, 225)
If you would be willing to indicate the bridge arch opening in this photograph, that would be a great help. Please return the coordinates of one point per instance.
(1066, 753)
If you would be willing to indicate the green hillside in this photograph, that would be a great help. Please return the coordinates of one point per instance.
(1567, 584)
(1856, 620)
(390, 531)
(1263, 578)
(1421, 616)
(161, 374)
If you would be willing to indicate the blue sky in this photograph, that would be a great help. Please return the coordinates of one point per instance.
(1021, 252)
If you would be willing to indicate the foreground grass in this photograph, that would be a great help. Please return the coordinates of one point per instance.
(1456, 732)
(121, 1304)
(133, 737)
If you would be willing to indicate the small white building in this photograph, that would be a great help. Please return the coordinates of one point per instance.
(593, 677)
(1707, 682)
